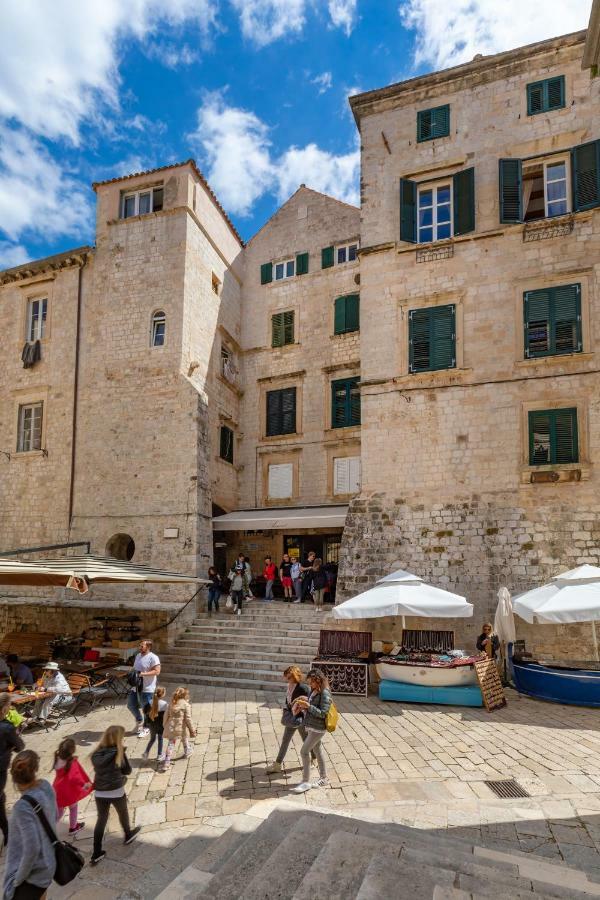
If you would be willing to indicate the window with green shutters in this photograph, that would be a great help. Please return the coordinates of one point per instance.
(436, 211)
(552, 321)
(302, 264)
(553, 437)
(226, 444)
(432, 338)
(347, 314)
(544, 96)
(266, 273)
(281, 411)
(433, 123)
(282, 328)
(327, 257)
(345, 403)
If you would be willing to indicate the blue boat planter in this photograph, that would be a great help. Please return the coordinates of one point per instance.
(469, 695)
(577, 687)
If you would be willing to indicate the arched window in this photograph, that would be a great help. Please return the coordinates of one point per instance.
(120, 546)
(159, 321)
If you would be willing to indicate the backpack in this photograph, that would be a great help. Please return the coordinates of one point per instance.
(332, 718)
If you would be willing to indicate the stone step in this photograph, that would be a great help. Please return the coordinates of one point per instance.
(300, 613)
(276, 665)
(225, 671)
(338, 871)
(267, 642)
(234, 628)
(240, 683)
(255, 656)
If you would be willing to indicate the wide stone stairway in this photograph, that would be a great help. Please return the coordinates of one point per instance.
(247, 651)
(301, 854)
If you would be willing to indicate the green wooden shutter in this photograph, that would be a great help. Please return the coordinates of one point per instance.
(288, 326)
(511, 190)
(345, 403)
(266, 273)
(553, 321)
(432, 338)
(277, 330)
(339, 315)
(433, 123)
(346, 314)
(536, 312)
(352, 312)
(464, 201)
(585, 172)
(327, 257)
(553, 438)
(226, 444)
(302, 264)
(288, 410)
(354, 402)
(273, 413)
(555, 92)
(535, 98)
(408, 210)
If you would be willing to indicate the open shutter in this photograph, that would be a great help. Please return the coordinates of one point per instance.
(277, 330)
(511, 190)
(327, 256)
(418, 343)
(266, 273)
(288, 410)
(408, 210)
(339, 316)
(352, 312)
(585, 169)
(302, 264)
(288, 326)
(464, 201)
(536, 315)
(564, 437)
(566, 324)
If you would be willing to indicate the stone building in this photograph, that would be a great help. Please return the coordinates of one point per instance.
(480, 240)
(191, 386)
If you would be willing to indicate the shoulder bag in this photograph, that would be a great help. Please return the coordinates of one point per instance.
(69, 861)
(332, 718)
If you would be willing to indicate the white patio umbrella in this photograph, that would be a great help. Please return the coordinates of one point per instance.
(573, 596)
(504, 620)
(404, 594)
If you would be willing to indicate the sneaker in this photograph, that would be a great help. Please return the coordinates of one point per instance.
(239, 612)
(274, 767)
(132, 835)
(97, 857)
(321, 782)
(77, 828)
(160, 759)
(143, 732)
(164, 767)
(302, 788)
(187, 753)
(296, 601)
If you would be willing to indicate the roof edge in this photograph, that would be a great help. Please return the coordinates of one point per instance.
(56, 261)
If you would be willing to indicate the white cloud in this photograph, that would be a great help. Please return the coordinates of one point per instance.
(241, 166)
(323, 81)
(172, 56)
(450, 32)
(343, 14)
(36, 195)
(265, 21)
(12, 255)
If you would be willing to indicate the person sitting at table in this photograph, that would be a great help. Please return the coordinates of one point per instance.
(20, 673)
(488, 642)
(55, 684)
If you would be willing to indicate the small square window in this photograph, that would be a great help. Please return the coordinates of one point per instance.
(140, 203)
(346, 253)
(341, 255)
(289, 268)
(29, 435)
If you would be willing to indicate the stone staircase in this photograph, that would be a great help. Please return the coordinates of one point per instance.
(248, 651)
(299, 853)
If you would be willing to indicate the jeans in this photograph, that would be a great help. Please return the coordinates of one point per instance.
(312, 742)
(103, 805)
(298, 588)
(237, 597)
(136, 702)
(73, 810)
(288, 734)
(269, 592)
(159, 739)
(213, 598)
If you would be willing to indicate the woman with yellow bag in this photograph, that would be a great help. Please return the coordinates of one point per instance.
(321, 716)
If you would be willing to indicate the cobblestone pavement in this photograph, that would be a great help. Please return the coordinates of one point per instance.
(423, 766)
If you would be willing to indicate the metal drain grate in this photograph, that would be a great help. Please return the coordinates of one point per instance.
(507, 789)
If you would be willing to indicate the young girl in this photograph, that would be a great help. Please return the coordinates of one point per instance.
(111, 768)
(214, 590)
(153, 720)
(177, 725)
(319, 583)
(71, 784)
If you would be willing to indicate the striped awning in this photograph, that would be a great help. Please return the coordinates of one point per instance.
(281, 517)
(78, 572)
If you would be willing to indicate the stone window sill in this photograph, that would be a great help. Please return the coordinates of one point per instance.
(557, 360)
(566, 473)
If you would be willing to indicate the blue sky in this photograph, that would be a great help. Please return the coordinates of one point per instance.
(255, 90)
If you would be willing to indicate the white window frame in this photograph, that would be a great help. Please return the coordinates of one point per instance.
(285, 263)
(136, 198)
(347, 247)
(434, 187)
(23, 408)
(289, 474)
(352, 480)
(159, 317)
(553, 161)
(38, 333)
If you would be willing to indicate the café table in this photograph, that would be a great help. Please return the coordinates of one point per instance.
(117, 676)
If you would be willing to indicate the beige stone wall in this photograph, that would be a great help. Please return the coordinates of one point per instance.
(308, 222)
(446, 489)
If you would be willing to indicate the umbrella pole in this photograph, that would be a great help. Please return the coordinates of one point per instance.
(595, 639)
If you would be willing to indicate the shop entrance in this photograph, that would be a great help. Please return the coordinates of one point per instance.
(326, 546)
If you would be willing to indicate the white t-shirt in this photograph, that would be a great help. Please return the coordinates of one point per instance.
(144, 664)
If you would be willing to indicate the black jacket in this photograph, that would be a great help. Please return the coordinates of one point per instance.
(319, 579)
(495, 644)
(9, 741)
(109, 777)
(301, 690)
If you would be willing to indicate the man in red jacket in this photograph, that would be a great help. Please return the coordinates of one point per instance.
(269, 573)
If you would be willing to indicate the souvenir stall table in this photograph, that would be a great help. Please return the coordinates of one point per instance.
(424, 667)
(344, 658)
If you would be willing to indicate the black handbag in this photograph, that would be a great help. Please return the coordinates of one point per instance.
(69, 861)
(289, 720)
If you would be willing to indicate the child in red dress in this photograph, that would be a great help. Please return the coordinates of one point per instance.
(71, 784)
